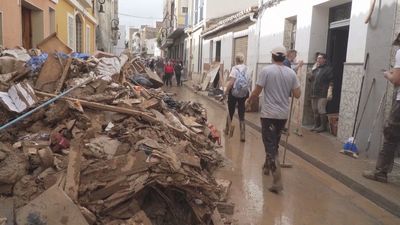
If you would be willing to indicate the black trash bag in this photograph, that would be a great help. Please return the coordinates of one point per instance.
(141, 80)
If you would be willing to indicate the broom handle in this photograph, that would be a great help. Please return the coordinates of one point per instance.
(288, 133)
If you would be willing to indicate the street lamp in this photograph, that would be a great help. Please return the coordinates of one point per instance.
(114, 24)
(101, 2)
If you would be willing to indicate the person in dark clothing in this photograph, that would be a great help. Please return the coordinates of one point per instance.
(391, 132)
(178, 72)
(321, 79)
(152, 64)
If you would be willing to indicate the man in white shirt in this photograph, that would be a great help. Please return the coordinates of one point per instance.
(391, 132)
(278, 83)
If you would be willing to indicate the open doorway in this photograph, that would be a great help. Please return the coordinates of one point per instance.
(218, 51)
(26, 28)
(336, 52)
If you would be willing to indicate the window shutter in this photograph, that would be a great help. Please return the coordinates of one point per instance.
(71, 32)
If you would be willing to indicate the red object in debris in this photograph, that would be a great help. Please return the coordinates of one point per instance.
(215, 135)
(58, 141)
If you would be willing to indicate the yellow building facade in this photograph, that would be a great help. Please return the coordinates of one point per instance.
(76, 24)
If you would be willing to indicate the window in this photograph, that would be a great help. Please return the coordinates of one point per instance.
(289, 40)
(71, 31)
(79, 34)
(1, 28)
(52, 20)
(201, 6)
(87, 41)
(339, 13)
(184, 10)
(218, 51)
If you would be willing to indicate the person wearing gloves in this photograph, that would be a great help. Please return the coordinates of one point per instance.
(321, 81)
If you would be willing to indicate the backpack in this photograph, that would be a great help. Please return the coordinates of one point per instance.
(242, 85)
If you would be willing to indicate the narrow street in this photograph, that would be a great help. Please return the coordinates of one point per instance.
(309, 197)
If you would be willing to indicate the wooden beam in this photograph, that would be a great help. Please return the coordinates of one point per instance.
(148, 117)
(63, 76)
(74, 170)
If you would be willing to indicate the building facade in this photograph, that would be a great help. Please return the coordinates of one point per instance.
(76, 24)
(201, 15)
(337, 28)
(172, 34)
(107, 32)
(26, 22)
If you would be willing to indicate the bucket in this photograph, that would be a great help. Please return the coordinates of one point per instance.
(333, 123)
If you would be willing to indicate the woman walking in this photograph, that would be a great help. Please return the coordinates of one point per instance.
(237, 89)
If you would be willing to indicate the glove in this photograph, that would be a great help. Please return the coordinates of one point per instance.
(330, 93)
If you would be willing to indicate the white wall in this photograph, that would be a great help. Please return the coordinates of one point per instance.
(218, 8)
(312, 28)
(196, 50)
(120, 47)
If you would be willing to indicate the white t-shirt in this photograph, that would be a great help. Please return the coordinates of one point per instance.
(397, 66)
(235, 70)
(278, 83)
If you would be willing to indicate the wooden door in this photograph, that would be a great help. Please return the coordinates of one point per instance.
(26, 28)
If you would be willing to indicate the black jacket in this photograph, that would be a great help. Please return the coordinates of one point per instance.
(320, 78)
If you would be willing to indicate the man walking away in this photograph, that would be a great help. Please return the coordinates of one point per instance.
(391, 132)
(321, 79)
(237, 89)
(178, 72)
(278, 83)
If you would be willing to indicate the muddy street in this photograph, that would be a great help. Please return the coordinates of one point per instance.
(309, 197)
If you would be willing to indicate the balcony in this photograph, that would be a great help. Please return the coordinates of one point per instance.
(86, 3)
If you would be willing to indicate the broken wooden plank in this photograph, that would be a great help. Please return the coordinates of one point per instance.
(225, 186)
(104, 107)
(53, 44)
(216, 218)
(51, 207)
(63, 76)
(73, 170)
(114, 186)
(150, 103)
(226, 208)
(7, 210)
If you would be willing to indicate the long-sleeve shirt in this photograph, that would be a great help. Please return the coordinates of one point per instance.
(320, 78)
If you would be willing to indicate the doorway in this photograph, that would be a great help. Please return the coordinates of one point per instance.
(26, 28)
(218, 51)
(337, 52)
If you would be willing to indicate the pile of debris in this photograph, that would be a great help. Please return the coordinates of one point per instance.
(93, 140)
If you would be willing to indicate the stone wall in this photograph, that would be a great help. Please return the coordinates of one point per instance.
(351, 86)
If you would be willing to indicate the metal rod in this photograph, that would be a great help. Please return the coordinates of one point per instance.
(42, 105)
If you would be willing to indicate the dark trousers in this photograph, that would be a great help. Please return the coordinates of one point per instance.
(178, 79)
(391, 134)
(271, 130)
(168, 79)
(232, 101)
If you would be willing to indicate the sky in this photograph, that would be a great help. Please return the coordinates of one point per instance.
(151, 10)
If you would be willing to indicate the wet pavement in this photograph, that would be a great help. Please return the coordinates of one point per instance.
(309, 197)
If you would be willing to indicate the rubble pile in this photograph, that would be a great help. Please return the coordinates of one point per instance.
(83, 140)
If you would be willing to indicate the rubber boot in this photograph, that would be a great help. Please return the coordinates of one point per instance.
(376, 175)
(242, 131)
(227, 126)
(324, 122)
(277, 185)
(265, 168)
(317, 122)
